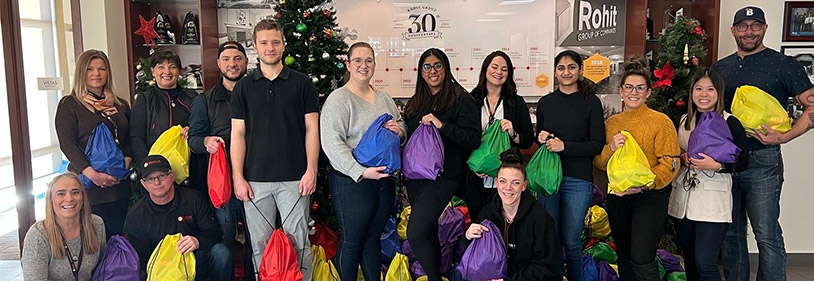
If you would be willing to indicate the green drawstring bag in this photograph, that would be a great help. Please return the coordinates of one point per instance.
(544, 172)
(601, 252)
(486, 159)
(677, 276)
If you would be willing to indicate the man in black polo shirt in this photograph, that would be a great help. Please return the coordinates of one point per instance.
(171, 209)
(756, 191)
(275, 146)
(210, 125)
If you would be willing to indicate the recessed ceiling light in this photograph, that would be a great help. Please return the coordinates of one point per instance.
(514, 2)
(500, 13)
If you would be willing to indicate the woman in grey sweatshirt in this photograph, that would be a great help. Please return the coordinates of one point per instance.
(362, 196)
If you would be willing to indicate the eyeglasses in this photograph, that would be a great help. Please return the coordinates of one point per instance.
(156, 178)
(358, 62)
(628, 88)
(755, 26)
(438, 66)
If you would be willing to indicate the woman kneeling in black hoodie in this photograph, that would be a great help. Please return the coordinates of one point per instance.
(528, 230)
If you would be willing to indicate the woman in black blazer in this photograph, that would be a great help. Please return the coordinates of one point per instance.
(497, 99)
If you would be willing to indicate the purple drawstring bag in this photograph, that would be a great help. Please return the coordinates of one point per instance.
(450, 229)
(424, 154)
(485, 258)
(606, 272)
(120, 262)
(379, 146)
(407, 251)
(598, 198)
(671, 263)
(712, 137)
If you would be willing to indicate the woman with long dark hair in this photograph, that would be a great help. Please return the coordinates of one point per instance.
(441, 102)
(570, 122)
(496, 96)
(93, 101)
(637, 216)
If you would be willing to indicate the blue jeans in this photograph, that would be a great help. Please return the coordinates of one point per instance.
(362, 210)
(215, 263)
(756, 193)
(701, 242)
(227, 219)
(568, 208)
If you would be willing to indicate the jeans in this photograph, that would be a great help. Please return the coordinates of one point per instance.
(637, 222)
(261, 218)
(227, 219)
(568, 208)
(362, 210)
(113, 214)
(701, 242)
(214, 263)
(756, 193)
(428, 199)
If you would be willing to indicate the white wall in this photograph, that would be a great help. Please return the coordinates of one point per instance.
(795, 203)
(103, 29)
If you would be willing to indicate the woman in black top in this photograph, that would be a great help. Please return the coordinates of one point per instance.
(162, 106)
(496, 97)
(571, 123)
(93, 101)
(441, 102)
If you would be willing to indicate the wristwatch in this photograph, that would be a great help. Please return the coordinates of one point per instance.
(514, 135)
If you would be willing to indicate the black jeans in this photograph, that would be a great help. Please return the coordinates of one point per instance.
(428, 199)
(362, 210)
(113, 214)
(637, 222)
(701, 242)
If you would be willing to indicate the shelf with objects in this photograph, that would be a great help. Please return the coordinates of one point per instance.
(186, 27)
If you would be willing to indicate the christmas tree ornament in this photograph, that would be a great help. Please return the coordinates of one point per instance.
(322, 76)
(326, 12)
(311, 59)
(151, 83)
(306, 15)
(327, 33)
(686, 54)
(189, 31)
(278, 15)
(147, 30)
(680, 104)
(296, 34)
(312, 38)
(314, 207)
(138, 67)
(665, 75)
(301, 27)
(289, 60)
(325, 55)
(314, 79)
(340, 65)
(695, 61)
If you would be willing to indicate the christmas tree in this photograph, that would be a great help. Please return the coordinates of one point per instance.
(145, 80)
(314, 44)
(681, 49)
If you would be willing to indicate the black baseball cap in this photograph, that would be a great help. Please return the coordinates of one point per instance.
(231, 45)
(749, 12)
(153, 163)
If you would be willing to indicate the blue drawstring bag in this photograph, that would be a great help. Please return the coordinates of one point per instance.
(103, 155)
(379, 146)
(390, 241)
(589, 270)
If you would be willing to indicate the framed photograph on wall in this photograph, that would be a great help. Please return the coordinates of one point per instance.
(804, 55)
(798, 21)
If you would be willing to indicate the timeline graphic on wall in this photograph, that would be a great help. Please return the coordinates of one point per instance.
(466, 30)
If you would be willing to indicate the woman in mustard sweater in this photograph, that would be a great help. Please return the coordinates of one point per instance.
(637, 216)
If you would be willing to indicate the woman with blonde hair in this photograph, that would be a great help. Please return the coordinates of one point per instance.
(93, 101)
(68, 244)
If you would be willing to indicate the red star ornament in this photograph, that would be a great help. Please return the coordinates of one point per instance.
(665, 75)
(147, 31)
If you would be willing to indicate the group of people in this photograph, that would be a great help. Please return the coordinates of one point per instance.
(269, 122)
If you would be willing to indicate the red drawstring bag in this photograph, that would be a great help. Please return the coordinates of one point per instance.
(326, 237)
(467, 220)
(220, 178)
(279, 259)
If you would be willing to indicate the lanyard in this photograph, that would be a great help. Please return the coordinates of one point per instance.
(75, 264)
(489, 109)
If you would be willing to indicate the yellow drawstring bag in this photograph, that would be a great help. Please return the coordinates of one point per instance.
(399, 269)
(172, 146)
(318, 255)
(401, 228)
(325, 271)
(753, 107)
(596, 221)
(628, 167)
(166, 264)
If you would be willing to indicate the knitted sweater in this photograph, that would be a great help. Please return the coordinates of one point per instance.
(655, 134)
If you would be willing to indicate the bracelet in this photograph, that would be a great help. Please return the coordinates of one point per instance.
(515, 135)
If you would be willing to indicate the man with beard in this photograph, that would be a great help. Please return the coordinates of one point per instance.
(210, 125)
(756, 191)
(275, 146)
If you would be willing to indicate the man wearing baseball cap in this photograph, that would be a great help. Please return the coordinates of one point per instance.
(171, 209)
(210, 126)
(756, 191)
